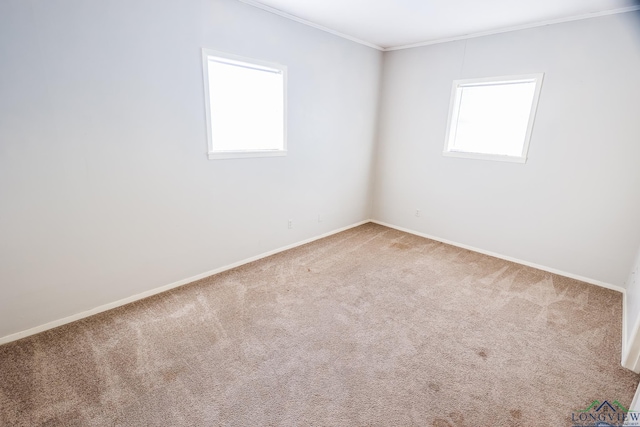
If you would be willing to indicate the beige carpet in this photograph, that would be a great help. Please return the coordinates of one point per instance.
(369, 327)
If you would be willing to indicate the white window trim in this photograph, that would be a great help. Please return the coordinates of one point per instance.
(454, 106)
(217, 154)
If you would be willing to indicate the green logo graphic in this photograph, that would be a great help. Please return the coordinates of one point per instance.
(600, 405)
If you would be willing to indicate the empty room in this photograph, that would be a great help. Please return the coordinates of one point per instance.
(319, 213)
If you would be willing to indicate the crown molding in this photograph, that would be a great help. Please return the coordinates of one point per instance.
(310, 24)
(517, 28)
(441, 40)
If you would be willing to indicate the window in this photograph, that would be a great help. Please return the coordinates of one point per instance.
(245, 105)
(492, 118)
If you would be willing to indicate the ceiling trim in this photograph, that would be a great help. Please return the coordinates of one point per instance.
(309, 23)
(518, 27)
(275, 11)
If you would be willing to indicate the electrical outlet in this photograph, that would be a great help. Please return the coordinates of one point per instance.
(319, 218)
(417, 212)
(290, 224)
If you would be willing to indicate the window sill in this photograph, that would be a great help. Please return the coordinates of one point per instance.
(481, 156)
(216, 155)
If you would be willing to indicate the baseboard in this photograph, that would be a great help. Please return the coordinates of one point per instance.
(155, 291)
(631, 349)
(625, 343)
(507, 258)
(630, 355)
(634, 407)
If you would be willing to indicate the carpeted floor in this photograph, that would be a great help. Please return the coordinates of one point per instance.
(369, 327)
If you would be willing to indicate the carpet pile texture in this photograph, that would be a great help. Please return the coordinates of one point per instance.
(368, 327)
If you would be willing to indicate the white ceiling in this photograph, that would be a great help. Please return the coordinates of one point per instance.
(395, 23)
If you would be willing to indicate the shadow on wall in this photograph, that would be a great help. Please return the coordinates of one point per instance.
(637, 16)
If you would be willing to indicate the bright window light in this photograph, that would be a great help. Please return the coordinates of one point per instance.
(492, 118)
(246, 106)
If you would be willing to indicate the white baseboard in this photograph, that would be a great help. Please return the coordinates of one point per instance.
(627, 356)
(631, 349)
(155, 291)
(630, 354)
(508, 258)
(624, 355)
(634, 407)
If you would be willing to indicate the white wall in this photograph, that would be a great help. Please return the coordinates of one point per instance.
(106, 191)
(631, 350)
(633, 294)
(105, 186)
(574, 205)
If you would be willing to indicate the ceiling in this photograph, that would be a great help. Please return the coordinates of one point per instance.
(399, 23)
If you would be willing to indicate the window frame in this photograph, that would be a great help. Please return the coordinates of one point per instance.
(223, 154)
(454, 108)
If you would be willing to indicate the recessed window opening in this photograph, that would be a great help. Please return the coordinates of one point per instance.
(492, 118)
(245, 106)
